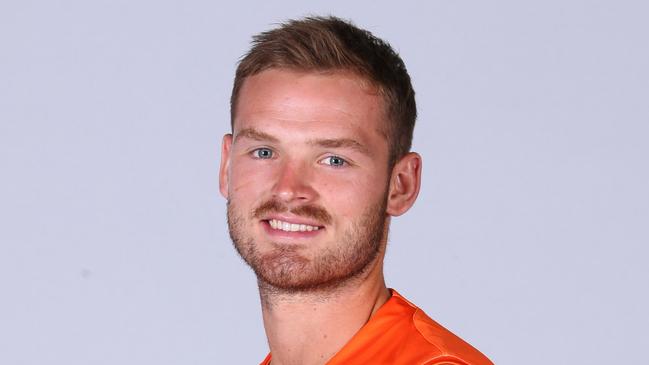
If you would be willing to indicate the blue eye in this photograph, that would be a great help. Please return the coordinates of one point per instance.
(334, 161)
(263, 153)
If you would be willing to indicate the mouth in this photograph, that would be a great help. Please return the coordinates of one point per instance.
(291, 228)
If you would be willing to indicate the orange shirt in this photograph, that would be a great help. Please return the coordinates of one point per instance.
(399, 333)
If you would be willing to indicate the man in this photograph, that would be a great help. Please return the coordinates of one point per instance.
(317, 164)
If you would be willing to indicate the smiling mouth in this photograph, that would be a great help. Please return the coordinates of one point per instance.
(279, 225)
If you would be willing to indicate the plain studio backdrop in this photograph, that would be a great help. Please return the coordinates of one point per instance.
(529, 238)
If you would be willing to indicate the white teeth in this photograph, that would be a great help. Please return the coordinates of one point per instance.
(291, 227)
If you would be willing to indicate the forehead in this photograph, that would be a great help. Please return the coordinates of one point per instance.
(333, 99)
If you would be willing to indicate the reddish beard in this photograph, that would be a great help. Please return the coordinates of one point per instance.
(308, 211)
(285, 268)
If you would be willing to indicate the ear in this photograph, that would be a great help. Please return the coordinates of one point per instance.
(224, 170)
(404, 184)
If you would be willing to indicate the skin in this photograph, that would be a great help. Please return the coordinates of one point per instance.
(308, 148)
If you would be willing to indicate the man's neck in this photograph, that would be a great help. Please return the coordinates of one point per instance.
(310, 328)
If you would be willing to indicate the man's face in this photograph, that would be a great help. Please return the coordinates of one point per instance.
(306, 175)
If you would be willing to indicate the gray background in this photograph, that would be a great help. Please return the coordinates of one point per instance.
(529, 238)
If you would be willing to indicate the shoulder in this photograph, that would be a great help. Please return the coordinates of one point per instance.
(438, 344)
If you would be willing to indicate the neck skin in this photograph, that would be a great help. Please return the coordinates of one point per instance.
(310, 328)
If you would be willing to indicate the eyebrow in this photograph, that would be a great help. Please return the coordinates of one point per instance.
(340, 143)
(257, 135)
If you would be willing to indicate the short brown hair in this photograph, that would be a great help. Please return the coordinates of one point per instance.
(332, 44)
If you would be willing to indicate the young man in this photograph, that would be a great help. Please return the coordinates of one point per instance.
(317, 164)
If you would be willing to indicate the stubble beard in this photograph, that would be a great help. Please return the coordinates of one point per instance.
(284, 269)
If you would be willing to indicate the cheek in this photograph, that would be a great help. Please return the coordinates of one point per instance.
(247, 180)
(348, 197)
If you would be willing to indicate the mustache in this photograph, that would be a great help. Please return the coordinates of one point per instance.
(308, 211)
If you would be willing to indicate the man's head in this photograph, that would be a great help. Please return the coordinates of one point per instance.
(322, 118)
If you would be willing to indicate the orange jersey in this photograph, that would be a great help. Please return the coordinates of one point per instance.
(399, 333)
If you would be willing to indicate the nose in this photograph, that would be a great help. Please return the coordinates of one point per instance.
(292, 184)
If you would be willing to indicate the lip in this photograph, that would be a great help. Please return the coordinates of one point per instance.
(293, 219)
(297, 235)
